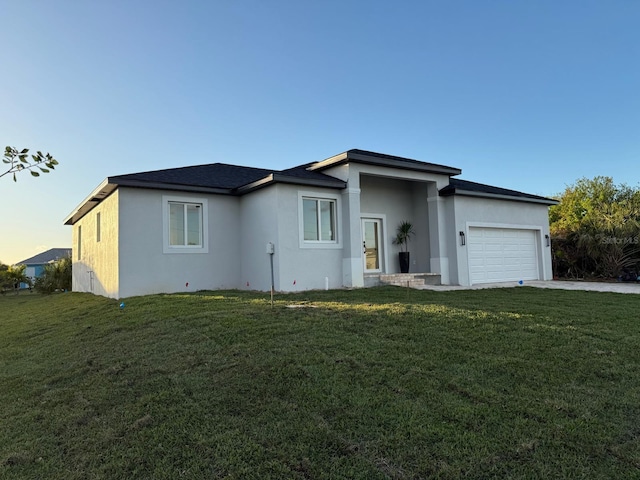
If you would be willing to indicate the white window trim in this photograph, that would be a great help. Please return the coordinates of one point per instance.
(166, 247)
(324, 244)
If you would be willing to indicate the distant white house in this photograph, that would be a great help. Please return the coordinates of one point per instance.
(330, 222)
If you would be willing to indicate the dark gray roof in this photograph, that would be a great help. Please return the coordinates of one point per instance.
(463, 187)
(235, 179)
(214, 175)
(219, 178)
(222, 178)
(46, 257)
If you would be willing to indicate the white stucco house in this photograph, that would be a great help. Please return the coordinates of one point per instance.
(329, 223)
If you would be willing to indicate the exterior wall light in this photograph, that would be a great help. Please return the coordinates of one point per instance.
(463, 240)
(548, 240)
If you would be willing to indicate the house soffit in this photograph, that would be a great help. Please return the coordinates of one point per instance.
(101, 192)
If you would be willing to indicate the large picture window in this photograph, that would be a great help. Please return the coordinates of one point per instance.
(185, 225)
(319, 220)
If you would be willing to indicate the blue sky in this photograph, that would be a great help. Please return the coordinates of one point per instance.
(528, 95)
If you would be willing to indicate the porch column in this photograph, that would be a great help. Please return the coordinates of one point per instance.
(439, 259)
(352, 267)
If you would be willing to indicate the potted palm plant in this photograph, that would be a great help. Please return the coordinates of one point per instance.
(404, 232)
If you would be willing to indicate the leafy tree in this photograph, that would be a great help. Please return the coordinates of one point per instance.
(5, 283)
(18, 160)
(596, 229)
(56, 276)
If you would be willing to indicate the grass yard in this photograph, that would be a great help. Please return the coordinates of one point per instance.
(371, 384)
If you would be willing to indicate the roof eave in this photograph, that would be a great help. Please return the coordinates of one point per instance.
(169, 186)
(110, 184)
(315, 182)
(383, 162)
(278, 178)
(470, 193)
(96, 196)
(330, 162)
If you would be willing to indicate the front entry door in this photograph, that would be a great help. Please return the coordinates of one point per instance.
(371, 245)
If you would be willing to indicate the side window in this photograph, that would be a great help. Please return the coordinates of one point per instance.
(185, 224)
(319, 220)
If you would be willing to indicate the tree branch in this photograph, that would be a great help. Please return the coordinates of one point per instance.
(19, 161)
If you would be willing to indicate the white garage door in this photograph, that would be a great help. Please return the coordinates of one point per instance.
(502, 255)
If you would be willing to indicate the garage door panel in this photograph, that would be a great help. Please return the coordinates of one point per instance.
(502, 254)
(494, 262)
(512, 262)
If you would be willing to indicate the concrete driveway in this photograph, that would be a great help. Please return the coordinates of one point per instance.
(557, 284)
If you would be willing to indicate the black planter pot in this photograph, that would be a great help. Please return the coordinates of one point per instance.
(404, 262)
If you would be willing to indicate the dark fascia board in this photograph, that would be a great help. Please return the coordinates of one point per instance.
(167, 186)
(279, 178)
(470, 193)
(372, 158)
(108, 186)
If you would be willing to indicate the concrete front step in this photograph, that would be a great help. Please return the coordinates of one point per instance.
(411, 280)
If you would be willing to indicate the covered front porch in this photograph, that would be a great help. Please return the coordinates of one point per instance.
(381, 192)
(385, 202)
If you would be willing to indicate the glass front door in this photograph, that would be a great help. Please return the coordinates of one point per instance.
(371, 245)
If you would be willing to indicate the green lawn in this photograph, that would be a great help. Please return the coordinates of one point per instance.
(373, 383)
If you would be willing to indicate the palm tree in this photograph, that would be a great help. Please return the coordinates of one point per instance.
(404, 232)
(15, 276)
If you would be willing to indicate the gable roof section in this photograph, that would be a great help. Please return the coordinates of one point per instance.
(471, 189)
(383, 160)
(49, 256)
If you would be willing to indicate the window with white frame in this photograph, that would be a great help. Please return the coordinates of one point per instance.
(319, 220)
(185, 225)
